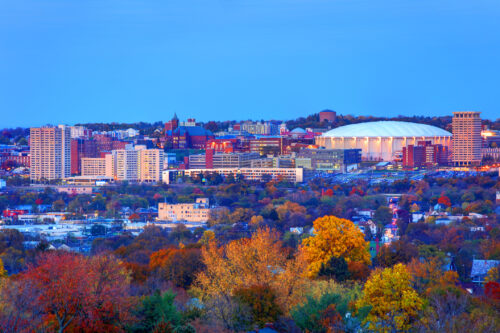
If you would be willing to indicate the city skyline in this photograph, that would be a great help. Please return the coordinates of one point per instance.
(72, 62)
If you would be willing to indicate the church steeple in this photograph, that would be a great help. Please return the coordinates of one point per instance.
(175, 116)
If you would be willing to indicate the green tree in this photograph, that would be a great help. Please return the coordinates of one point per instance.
(383, 215)
(336, 268)
(154, 310)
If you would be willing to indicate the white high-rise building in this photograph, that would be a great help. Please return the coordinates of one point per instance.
(126, 164)
(143, 165)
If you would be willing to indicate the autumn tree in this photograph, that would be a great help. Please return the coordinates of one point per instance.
(178, 266)
(289, 207)
(65, 292)
(444, 200)
(261, 302)
(334, 237)
(396, 252)
(395, 304)
(259, 260)
(207, 237)
(427, 274)
(446, 311)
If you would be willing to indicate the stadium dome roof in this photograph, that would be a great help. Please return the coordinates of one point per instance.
(386, 129)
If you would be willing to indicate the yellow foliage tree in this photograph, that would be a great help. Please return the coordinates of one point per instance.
(247, 262)
(394, 303)
(256, 220)
(493, 275)
(208, 236)
(3, 272)
(334, 237)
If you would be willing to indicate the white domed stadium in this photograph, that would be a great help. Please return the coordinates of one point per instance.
(382, 140)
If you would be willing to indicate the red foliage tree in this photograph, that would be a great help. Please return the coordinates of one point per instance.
(444, 200)
(492, 290)
(66, 292)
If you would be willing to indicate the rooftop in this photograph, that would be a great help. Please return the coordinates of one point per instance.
(387, 129)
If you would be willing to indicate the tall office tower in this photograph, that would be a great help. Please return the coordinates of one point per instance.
(466, 141)
(50, 151)
(150, 165)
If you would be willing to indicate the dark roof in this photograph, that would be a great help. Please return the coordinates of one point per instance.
(175, 116)
(193, 131)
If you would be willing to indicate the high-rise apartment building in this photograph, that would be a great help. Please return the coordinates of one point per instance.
(125, 164)
(466, 141)
(150, 165)
(50, 150)
(143, 165)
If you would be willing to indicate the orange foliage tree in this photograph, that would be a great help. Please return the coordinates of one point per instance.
(257, 261)
(178, 266)
(428, 274)
(334, 237)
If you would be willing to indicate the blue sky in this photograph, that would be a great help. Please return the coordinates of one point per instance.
(69, 61)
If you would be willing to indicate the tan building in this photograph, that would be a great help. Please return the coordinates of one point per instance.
(50, 153)
(467, 141)
(151, 165)
(98, 166)
(185, 212)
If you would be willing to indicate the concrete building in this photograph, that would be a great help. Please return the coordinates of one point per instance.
(260, 128)
(382, 140)
(185, 212)
(211, 160)
(294, 175)
(197, 161)
(80, 132)
(50, 153)
(150, 165)
(467, 140)
(98, 166)
(267, 145)
(328, 159)
(125, 164)
(142, 165)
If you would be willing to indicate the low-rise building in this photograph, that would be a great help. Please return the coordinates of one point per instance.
(295, 175)
(328, 159)
(185, 212)
(97, 166)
